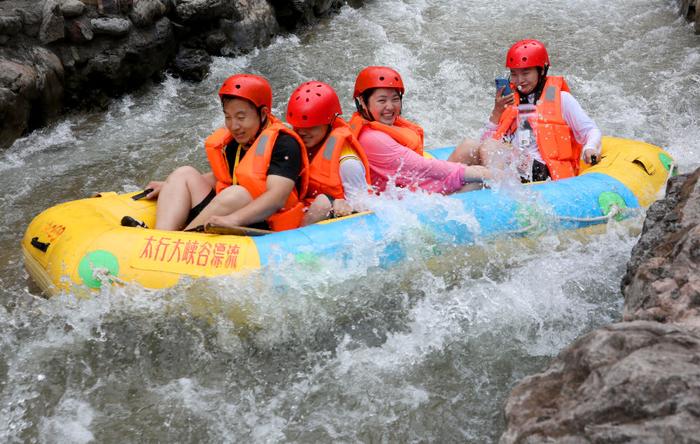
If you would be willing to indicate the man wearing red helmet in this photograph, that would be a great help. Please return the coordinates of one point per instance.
(556, 135)
(258, 168)
(338, 168)
(394, 146)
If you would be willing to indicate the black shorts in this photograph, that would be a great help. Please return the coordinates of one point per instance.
(540, 172)
(194, 212)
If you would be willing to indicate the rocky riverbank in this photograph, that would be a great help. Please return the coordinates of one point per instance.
(637, 380)
(688, 10)
(60, 54)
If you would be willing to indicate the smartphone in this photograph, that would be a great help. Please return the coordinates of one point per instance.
(500, 83)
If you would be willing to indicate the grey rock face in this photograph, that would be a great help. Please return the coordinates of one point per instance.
(663, 276)
(52, 22)
(10, 25)
(256, 28)
(628, 382)
(72, 8)
(31, 91)
(104, 48)
(146, 12)
(192, 64)
(203, 10)
(115, 27)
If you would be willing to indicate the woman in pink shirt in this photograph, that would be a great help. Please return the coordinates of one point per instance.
(394, 146)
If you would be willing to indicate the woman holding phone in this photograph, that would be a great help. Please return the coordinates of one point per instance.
(541, 118)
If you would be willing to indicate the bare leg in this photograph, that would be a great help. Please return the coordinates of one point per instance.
(226, 202)
(184, 188)
(495, 154)
(318, 210)
(466, 152)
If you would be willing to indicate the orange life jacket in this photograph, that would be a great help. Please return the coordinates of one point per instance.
(251, 171)
(555, 140)
(403, 131)
(324, 169)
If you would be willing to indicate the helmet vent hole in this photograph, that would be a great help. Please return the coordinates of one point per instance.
(238, 86)
(307, 99)
(318, 94)
(381, 78)
(308, 90)
(318, 86)
(524, 59)
(396, 78)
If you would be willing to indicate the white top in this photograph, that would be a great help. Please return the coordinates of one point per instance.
(586, 132)
(352, 174)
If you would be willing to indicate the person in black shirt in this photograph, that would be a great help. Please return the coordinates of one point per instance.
(222, 196)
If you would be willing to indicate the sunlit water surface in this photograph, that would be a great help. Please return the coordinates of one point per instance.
(425, 351)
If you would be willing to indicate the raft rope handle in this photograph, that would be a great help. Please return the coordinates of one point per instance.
(614, 211)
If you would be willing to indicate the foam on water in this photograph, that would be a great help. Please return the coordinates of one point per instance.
(336, 349)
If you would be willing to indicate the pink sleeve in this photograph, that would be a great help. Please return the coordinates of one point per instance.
(388, 159)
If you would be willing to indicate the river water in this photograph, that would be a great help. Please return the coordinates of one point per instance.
(426, 351)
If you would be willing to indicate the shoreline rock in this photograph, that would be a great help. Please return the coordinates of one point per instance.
(636, 380)
(57, 55)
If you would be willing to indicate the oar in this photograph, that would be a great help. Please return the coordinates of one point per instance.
(237, 230)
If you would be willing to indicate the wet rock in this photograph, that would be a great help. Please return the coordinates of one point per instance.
(146, 12)
(79, 30)
(52, 22)
(10, 25)
(31, 91)
(204, 10)
(72, 8)
(107, 68)
(256, 28)
(192, 64)
(215, 42)
(628, 382)
(663, 276)
(295, 13)
(114, 27)
(108, 6)
(31, 19)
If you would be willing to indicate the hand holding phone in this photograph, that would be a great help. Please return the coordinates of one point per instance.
(500, 83)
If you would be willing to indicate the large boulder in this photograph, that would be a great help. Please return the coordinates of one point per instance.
(628, 382)
(51, 23)
(191, 64)
(256, 26)
(31, 91)
(146, 12)
(663, 275)
(107, 68)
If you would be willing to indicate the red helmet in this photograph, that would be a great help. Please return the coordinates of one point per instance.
(250, 87)
(527, 53)
(312, 104)
(377, 77)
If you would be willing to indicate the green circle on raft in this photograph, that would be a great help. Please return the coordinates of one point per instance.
(307, 259)
(607, 199)
(529, 216)
(97, 259)
(667, 162)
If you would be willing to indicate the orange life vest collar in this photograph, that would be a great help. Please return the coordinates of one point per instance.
(403, 131)
(251, 171)
(555, 140)
(324, 169)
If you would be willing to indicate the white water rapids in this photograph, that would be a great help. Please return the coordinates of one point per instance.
(426, 351)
